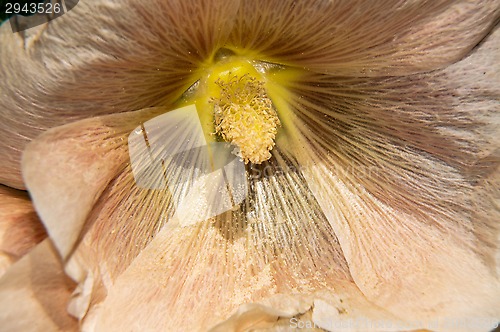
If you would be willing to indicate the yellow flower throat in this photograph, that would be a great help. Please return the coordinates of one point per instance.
(234, 105)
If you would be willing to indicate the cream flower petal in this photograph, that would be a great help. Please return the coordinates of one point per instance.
(198, 275)
(280, 241)
(363, 38)
(104, 57)
(20, 228)
(407, 171)
(80, 179)
(196, 288)
(101, 57)
(34, 293)
(82, 184)
(245, 255)
(67, 170)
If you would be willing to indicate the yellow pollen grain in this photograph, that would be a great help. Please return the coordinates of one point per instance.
(245, 116)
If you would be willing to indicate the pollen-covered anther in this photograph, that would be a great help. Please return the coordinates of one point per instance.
(246, 117)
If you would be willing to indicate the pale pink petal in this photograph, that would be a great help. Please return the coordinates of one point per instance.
(104, 57)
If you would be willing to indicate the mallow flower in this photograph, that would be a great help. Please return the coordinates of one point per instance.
(365, 139)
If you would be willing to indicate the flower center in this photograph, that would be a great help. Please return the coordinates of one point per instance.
(245, 116)
(243, 113)
(244, 102)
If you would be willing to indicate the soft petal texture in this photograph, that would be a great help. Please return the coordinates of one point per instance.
(395, 169)
(363, 38)
(258, 256)
(81, 181)
(34, 294)
(20, 227)
(104, 56)
(197, 287)
(68, 169)
(180, 271)
(406, 170)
